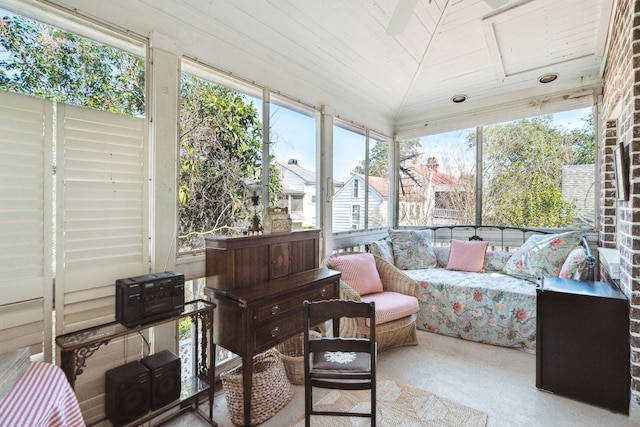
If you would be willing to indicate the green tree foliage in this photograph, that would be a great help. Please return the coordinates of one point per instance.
(523, 171)
(220, 152)
(583, 141)
(53, 64)
(379, 156)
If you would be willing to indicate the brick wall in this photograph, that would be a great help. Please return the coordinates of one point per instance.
(620, 220)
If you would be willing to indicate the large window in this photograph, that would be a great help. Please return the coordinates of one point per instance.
(537, 172)
(293, 145)
(47, 62)
(349, 155)
(360, 170)
(436, 180)
(220, 154)
(540, 172)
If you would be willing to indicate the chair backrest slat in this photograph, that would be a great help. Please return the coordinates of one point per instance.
(338, 344)
(337, 308)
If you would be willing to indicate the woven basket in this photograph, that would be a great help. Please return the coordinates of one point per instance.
(270, 389)
(291, 352)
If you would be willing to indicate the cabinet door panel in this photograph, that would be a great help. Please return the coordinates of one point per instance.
(279, 258)
(304, 255)
(251, 266)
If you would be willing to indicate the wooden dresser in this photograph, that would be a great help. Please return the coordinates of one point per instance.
(259, 284)
(583, 342)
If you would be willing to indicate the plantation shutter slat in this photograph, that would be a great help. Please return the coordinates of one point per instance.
(25, 222)
(103, 234)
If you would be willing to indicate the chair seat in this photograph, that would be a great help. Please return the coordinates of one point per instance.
(392, 306)
(341, 361)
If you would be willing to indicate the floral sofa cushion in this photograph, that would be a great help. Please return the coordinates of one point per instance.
(496, 260)
(542, 255)
(412, 249)
(575, 265)
(383, 249)
(491, 307)
(442, 256)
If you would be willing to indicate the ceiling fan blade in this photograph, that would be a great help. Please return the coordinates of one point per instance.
(496, 3)
(401, 15)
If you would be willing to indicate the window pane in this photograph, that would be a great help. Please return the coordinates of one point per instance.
(348, 171)
(378, 197)
(540, 172)
(47, 62)
(437, 180)
(220, 152)
(293, 144)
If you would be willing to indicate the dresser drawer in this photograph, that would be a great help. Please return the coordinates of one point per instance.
(272, 333)
(293, 303)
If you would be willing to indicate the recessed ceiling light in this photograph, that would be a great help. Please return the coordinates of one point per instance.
(548, 78)
(458, 98)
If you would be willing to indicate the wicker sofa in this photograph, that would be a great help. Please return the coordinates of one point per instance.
(393, 333)
(495, 304)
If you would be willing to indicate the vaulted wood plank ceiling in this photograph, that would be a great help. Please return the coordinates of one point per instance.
(348, 54)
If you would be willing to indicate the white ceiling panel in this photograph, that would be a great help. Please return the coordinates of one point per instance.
(338, 52)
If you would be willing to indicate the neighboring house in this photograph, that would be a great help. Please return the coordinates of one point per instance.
(578, 187)
(428, 196)
(349, 204)
(298, 193)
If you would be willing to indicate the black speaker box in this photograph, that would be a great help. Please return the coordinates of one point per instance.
(127, 392)
(164, 368)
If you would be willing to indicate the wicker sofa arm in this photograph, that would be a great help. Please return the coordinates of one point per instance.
(393, 279)
(347, 292)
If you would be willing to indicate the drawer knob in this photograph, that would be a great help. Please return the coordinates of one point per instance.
(275, 331)
(324, 292)
(275, 309)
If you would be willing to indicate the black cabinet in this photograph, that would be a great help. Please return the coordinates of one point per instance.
(583, 342)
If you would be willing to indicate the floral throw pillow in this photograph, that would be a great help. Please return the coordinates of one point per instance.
(412, 249)
(542, 255)
(574, 266)
(383, 249)
(496, 260)
(442, 255)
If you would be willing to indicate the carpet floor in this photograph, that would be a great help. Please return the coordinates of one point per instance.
(498, 381)
(398, 404)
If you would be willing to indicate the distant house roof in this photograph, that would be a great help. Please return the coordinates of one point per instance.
(415, 177)
(379, 184)
(435, 176)
(578, 188)
(309, 177)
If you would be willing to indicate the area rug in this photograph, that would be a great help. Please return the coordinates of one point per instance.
(398, 404)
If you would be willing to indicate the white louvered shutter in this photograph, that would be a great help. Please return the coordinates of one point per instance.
(25, 223)
(102, 231)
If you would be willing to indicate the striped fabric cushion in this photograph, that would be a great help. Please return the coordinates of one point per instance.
(392, 306)
(359, 271)
(42, 397)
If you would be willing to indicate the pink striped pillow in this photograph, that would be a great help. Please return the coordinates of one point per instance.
(358, 271)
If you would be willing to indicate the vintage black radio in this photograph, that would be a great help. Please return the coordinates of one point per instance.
(150, 297)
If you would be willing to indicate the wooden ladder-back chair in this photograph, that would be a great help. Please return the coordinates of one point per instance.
(338, 362)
